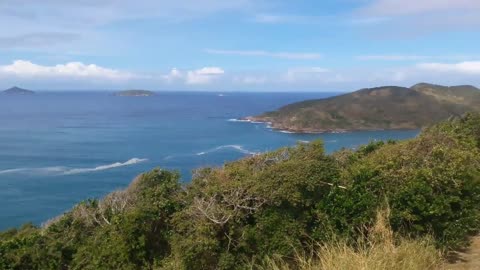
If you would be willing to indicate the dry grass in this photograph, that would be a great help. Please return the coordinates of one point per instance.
(378, 252)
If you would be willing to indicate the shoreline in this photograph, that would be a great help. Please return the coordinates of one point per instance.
(271, 125)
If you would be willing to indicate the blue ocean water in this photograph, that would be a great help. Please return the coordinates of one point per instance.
(59, 148)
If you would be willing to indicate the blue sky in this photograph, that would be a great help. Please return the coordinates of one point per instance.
(241, 45)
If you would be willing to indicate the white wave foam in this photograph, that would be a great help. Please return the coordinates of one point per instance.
(105, 167)
(239, 120)
(286, 131)
(244, 121)
(71, 171)
(13, 170)
(235, 147)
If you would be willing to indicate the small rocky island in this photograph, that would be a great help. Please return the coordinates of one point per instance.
(18, 91)
(135, 93)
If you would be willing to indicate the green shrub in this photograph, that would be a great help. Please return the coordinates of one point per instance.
(273, 205)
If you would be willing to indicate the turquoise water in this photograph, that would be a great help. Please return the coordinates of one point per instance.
(57, 149)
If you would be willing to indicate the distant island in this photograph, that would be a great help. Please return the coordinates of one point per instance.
(135, 93)
(381, 108)
(18, 91)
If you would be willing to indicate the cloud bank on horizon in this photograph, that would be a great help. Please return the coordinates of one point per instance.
(244, 45)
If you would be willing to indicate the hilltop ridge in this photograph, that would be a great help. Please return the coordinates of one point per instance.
(379, 108)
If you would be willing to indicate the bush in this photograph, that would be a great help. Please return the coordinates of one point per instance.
(378, 252)
(275, 205)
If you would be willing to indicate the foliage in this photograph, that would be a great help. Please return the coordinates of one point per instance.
(381, 250)
(278, 206)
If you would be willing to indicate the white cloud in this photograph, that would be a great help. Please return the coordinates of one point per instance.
(406, 57)
(468, 68)
(30, 23)
(88, 12)
(174, 75)
(412, 18)
(29, 70)
(204, 75)
(412, 7)
(260, 53)
(200, 76)
(28, 74)
(91, 75)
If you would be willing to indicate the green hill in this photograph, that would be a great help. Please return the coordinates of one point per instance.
(388, 107)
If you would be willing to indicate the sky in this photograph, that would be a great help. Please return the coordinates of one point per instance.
(237, 45)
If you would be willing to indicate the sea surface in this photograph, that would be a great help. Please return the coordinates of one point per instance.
(59, 148)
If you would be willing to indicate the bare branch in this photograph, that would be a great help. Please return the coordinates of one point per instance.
(219, 208)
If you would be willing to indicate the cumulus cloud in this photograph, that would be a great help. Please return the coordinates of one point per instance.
(204, 75)
(260, 53)
(468, 68)
(91, 75)
(29, 70)
(200, 76)
(173, 75)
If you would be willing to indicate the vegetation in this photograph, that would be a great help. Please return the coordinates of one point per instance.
(377, 252)
(379, 108)
(295, 208)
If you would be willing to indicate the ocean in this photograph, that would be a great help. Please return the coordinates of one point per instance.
(59, 148)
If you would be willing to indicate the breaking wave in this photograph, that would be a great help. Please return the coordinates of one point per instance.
(106, 167)
(71, 171)
(244, 121)
(234, 147)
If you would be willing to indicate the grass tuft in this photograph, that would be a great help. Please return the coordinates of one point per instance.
(378, 251)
